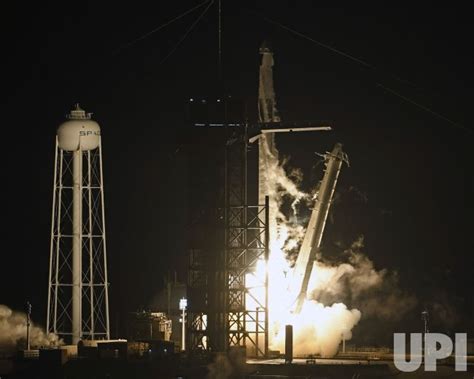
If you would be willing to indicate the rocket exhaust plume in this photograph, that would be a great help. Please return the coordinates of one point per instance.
(308, 293)
(13, 332)
(317, 328)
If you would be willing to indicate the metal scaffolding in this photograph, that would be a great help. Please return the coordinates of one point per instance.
(78, 284)
(198, 300)
(246, 242)
(225, 311)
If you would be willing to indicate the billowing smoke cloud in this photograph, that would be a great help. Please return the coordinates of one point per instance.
(279, 186)
(318, 329)
(13, 332)
(375, 292)
(323, 323)
(325, 320)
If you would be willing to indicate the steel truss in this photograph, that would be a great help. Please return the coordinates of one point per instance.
(93, 286)
(198, 300)
(246, 243)
(233, 297)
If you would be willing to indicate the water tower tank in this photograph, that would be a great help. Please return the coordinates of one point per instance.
(79, 132)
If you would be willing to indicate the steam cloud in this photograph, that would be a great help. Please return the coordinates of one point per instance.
(325, 319)
(13, 332)
(375, 292)
(318, 329)
(279, 186)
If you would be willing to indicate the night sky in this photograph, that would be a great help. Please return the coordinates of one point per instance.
(413, 167)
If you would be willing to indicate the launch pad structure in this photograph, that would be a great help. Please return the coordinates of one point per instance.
(224, 311)
(219, 316)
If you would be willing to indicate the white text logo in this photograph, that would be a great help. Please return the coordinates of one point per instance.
(437, 346)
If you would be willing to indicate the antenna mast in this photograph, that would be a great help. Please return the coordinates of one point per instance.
(219, 63)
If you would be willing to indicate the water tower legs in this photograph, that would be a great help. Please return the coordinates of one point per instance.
(77, 247)
(78, 298)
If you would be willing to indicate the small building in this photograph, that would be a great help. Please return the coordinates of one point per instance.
(167, 300)
(149, 326)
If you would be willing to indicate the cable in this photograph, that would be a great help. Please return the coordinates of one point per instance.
(128, 44)
(424, 108)
(187, 32)
(334, 50)
(299, 34)
(220, 41)
(368, 65)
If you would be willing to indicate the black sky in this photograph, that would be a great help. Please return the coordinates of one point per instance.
(415, 168)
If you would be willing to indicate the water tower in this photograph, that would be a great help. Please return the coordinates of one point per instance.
(78, 301)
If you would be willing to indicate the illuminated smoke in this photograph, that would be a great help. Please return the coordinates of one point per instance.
(319, 328)
(356, 281)
(356, 276)
(13, 332)
(278, 186)
(325, 318)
